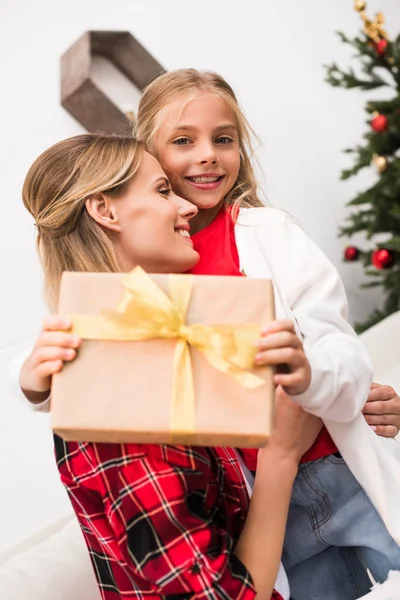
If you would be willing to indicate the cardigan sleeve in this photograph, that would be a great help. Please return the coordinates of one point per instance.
(312, 293)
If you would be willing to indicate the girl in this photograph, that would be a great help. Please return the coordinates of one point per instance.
(159, 521)
(192, 123)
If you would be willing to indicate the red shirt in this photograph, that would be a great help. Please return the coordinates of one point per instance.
(216, 245)
(160, 522)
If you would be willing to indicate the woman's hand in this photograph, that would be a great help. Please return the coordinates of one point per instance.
(281, 346)
(295, 430)
(53, 347)
(382, 410)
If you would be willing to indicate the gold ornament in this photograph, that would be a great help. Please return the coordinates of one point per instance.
(380, 163)
(360, 5)
(373, 29)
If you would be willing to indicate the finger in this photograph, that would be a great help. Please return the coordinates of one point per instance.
(49, 368)
(382, 407)
(59, 339)
(375, 385)
(388, 431)
(291, 382)
(289, 356)
(50, 353)
(383, 419)
(56, 322)
(279, 340)
(278, 325)
(382, 392)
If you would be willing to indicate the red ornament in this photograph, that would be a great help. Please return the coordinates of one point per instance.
(382, 259)
(351, 253)
(381, 47)
(380, 123)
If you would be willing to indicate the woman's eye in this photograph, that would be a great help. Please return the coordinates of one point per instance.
(181, 141)
(223, 139)
(164, 191)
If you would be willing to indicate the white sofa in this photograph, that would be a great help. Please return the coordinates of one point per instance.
(42, 552)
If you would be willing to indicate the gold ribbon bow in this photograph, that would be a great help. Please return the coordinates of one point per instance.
(145, 312)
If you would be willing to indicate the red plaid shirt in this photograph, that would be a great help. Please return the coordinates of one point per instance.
(159, 521)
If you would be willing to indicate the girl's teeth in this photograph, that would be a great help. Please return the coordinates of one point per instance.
(183, 233)
(204, 179)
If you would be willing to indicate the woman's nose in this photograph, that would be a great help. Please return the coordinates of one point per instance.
(185, 208)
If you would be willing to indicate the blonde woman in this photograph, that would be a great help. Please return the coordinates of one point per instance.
(159, 521)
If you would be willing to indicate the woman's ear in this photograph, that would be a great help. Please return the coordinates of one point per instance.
(102, 210)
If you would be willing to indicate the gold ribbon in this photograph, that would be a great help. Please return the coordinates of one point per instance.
(145, 312)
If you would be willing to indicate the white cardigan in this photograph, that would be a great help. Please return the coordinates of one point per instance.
(309, 290)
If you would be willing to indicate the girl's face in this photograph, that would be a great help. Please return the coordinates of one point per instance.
(199, 150)
(151, 223)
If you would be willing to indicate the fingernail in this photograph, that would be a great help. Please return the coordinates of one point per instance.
(373, 427)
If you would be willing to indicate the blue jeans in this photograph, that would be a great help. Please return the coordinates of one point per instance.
(333, 535)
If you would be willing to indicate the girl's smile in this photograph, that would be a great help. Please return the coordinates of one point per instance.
(206, 181)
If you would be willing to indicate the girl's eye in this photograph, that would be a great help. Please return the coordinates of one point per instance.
(223, 139)
(164, 192)
(181, 141)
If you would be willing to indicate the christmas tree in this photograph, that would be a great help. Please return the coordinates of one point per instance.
(376, 211)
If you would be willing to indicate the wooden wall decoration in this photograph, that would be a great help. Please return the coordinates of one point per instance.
(82, 98)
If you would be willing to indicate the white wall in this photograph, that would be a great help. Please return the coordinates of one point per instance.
(270, 51)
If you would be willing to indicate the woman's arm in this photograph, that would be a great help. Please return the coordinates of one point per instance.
(31, 372)
(261, 541)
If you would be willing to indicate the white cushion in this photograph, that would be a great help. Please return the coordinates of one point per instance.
(58, 567)
(390, 590)
(383, 344)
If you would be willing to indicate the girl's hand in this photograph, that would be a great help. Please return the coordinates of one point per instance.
(295, 430)
(54, 346)
(382, 410)
(280, 345)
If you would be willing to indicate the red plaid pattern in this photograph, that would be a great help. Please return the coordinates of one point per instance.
(159, 521)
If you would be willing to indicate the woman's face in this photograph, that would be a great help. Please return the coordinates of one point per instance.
(198, 148)
(153, 223)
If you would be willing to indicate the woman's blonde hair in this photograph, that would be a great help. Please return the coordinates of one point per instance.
(55, 191)
(185, 84)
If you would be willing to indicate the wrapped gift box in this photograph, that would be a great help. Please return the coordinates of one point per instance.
(129, 390)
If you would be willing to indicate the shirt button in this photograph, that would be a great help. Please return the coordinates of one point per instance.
(196, 569)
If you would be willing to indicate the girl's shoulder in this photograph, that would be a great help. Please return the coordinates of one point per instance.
(264, 215)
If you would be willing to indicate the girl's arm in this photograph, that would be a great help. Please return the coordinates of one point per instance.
(312, 295)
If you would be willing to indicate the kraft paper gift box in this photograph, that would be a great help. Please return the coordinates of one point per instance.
(130, 384)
